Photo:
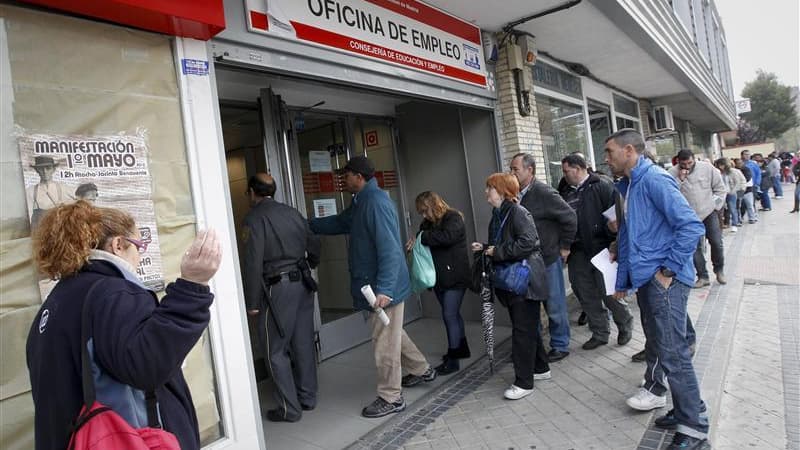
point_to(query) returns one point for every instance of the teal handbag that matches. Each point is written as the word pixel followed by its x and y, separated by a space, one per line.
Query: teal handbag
pixel 423 272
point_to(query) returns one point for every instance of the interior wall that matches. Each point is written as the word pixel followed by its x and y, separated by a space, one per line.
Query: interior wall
pixel 435 156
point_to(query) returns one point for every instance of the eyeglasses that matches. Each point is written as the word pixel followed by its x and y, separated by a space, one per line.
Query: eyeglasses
pixel 141 246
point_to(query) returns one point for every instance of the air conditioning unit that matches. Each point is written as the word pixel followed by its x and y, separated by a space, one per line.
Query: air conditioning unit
pixel 663 118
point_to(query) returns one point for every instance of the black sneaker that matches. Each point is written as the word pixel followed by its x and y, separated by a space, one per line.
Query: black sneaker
pixel 381 407
pixel 593 343
pixel 667 421
pixel 448 366
pixel 279 415
pixel 556 355
pixel 624 337
pixel 413 380
pixel 639 357
pixel 684 442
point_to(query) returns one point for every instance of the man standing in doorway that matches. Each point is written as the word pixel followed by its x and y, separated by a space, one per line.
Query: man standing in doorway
pixel 556 224
pixel 377 259
pixel 590 195
pixel 656 214
pixel 279 253
pixel 702 185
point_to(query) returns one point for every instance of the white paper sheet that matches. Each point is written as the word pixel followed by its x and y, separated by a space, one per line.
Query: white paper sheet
pixel 608 268
pixel 611 213
pixel 319 161
pixel 324 207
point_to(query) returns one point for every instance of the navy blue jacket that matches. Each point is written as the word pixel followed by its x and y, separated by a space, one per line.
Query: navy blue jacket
pixel 136 340
pixel 375 256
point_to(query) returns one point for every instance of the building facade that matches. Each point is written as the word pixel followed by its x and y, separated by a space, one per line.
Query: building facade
pixel 439 94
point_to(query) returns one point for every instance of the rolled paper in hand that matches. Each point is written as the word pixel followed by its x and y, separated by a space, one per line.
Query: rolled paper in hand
pixel 370 296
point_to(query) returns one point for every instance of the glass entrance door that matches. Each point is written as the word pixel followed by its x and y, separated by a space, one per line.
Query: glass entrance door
pixel 600 128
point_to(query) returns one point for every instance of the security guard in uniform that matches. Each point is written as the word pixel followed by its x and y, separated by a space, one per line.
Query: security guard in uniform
pixel 280 251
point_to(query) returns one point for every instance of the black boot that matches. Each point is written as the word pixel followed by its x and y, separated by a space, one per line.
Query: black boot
pixel 448 366
pixel 796 207
pixel 462 352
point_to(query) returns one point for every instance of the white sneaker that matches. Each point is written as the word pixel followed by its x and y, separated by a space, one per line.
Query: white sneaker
pixel 734 229
pixel 646 401
pixel 515 393
pixel 542 376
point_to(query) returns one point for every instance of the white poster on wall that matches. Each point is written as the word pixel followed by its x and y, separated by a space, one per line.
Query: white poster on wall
pixel 324 207
pixel 108 171
pixel 319 161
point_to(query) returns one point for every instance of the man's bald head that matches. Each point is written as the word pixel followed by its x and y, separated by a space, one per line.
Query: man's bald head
pixel 262 185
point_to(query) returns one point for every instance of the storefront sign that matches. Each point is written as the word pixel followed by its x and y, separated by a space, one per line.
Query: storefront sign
pixel 110 171
pixel 404 32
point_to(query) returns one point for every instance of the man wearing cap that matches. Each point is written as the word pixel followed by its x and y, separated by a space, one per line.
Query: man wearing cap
pixel 376 258
pixel 47 194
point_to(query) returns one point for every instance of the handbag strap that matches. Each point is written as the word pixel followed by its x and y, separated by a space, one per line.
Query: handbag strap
pixel 500 228
pixel 87 380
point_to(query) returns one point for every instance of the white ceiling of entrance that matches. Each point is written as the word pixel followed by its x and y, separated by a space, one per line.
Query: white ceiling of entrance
pixel 582 34
pixel 245 86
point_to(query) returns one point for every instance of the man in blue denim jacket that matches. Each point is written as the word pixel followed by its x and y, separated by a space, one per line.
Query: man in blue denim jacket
pixel 658 233
pixel 376 258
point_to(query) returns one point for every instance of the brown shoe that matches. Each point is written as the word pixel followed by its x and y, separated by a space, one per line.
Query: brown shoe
pixel 701 282
pixel 721 278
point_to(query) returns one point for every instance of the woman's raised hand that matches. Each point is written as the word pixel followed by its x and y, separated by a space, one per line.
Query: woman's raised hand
pixel 202 259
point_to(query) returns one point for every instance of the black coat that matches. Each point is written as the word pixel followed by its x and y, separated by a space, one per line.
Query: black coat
pixel 596 196
pixel 137 340
pixel 448 243
pixel 519 240
pixel 555 221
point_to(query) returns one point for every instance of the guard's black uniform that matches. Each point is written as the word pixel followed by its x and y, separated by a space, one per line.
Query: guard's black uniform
pixel 279 247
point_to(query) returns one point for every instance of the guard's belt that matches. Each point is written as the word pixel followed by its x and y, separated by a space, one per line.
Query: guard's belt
pixel 292 276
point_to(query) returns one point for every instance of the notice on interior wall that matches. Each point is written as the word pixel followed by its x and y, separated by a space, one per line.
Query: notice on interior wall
pixel 319 161
pixel 105 170
pixel 324 207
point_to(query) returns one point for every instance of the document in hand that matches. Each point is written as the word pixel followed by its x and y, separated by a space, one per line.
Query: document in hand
pixel 611 213
pixel 608 268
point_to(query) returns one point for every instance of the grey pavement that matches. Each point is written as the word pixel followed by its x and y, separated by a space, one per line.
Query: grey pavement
pixel 747 364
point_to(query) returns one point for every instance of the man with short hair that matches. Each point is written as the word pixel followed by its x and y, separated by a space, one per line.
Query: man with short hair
pixel 280 251
pixel 774 172
pixel 656 238
pixel 755 171
pixel 702 185
pixel 766 183
pixel 376 258
pixel 590 195
pixel 556 224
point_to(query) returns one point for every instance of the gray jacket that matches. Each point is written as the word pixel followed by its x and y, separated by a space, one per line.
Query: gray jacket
pixel 703 188
pixel 736 181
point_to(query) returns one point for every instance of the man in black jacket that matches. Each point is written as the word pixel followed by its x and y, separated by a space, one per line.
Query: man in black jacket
pixel 590 195
pixel 279 252
pixel 556 224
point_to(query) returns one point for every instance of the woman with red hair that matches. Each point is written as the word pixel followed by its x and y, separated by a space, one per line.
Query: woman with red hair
pixel 513 238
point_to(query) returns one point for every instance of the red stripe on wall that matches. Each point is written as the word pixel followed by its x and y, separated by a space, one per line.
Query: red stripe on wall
pixel 329 38
pixel 259 20
pixel 433 17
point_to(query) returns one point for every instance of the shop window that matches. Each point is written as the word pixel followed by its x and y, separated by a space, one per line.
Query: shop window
pixel 563 131
pixel 73 78
pixel 625 106
pixel 623 122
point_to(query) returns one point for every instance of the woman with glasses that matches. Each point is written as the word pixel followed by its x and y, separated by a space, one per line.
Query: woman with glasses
pixel 513 238
pixel 137 343
pixel 443 230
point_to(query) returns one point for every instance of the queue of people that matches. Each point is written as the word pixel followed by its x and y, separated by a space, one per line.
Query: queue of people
pixel 534 229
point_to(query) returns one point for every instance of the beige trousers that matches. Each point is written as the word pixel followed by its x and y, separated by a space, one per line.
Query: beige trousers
pixel 394 351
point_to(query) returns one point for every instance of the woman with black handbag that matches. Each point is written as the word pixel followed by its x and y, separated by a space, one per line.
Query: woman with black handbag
pixel 444 232
pixel 136 345
pixel 519 280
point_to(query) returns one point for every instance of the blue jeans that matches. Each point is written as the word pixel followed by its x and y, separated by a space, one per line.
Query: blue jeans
pixel 776 186
pixel 766 203
pixel 556 306
pixel 664 324
pixel 733 210
pixel 450 300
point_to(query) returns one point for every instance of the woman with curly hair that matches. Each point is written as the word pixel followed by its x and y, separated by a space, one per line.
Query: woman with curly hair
pixel 137 343
pixel 444 232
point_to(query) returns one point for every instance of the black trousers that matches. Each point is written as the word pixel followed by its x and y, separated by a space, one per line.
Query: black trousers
pixel 291 358
pixel 527 350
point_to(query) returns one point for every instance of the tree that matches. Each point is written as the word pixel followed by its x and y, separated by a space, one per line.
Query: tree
pixel 773 108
